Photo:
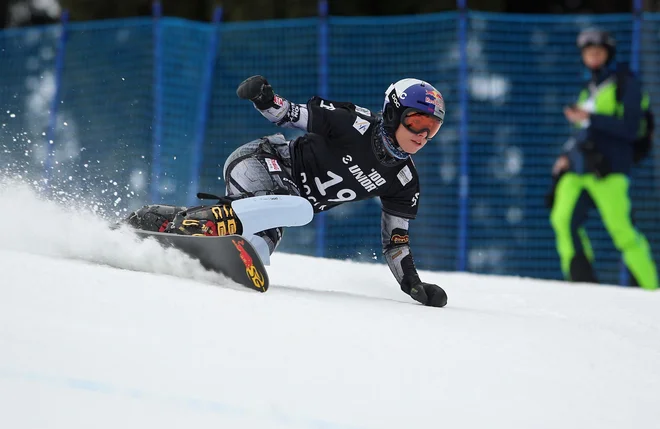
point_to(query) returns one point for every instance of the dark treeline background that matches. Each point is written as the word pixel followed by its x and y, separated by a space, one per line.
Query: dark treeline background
pixel 13 12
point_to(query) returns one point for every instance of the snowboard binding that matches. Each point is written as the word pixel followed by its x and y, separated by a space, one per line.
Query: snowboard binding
pixel 216 220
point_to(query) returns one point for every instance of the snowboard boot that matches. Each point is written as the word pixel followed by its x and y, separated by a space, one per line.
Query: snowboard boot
pixel 153 217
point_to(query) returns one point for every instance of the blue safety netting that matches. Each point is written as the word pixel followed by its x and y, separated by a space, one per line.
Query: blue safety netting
pixel 523 71
pixel 146 111
pixel 104 117
pixel 27 84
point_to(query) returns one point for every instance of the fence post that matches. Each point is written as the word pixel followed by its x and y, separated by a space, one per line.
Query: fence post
pixel 203 109
pixel 323 40
pixel 55 102
pixel 157 120
pixel 635 48
pixel 464 178
pixel 636 39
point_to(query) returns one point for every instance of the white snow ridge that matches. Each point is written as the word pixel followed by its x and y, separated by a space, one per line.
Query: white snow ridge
pixel 98 330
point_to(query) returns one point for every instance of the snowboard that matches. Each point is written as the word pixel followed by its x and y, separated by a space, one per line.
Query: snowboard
pixel 233 255
pixel 230 255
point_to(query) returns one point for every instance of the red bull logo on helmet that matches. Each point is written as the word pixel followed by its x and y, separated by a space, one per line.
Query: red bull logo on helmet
pixel 434 98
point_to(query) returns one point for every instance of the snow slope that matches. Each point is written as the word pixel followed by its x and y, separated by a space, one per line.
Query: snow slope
pixel 98 330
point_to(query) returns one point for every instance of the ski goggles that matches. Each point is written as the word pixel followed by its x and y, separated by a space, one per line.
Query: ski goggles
pixel 418 122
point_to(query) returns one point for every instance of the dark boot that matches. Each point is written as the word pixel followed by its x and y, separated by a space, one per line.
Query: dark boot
pixel 632 280
pixel 153 217
pixel 581 270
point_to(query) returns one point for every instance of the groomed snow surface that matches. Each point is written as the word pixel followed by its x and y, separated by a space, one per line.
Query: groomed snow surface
pixel 99 330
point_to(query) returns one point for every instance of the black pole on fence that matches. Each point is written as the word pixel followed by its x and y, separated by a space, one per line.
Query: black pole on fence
pixel 157 120
pixel 203 108
pixel 323 91
pixel 464 178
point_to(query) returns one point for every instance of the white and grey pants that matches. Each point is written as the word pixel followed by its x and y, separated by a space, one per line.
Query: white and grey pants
pixel 261 167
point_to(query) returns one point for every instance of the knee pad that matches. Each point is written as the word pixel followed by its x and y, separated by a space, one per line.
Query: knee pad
pixel 260 168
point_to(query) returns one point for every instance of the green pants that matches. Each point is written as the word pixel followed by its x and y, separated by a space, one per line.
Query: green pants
pixel 573 198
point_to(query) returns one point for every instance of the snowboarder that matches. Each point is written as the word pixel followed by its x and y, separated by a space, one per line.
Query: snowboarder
pixel 347 154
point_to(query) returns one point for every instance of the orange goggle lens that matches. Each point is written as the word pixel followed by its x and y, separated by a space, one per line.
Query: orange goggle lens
pixel 418 123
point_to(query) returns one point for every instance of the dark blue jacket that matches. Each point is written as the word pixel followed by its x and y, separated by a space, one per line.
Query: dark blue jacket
pixel 614 124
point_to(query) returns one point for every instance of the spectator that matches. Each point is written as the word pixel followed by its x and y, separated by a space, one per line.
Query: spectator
pixel 594 168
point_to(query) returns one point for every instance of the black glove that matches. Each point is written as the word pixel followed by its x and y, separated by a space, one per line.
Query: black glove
pixel 257 90
pixel 425 293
